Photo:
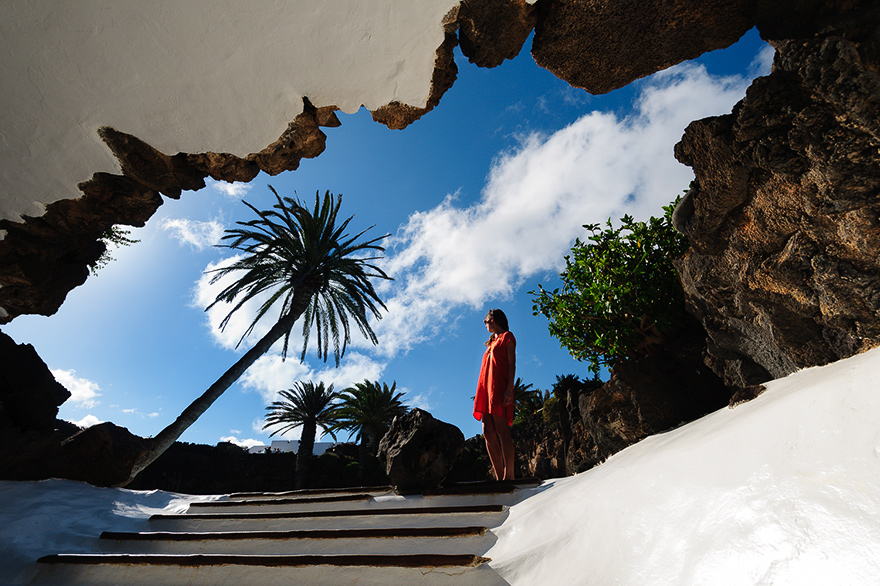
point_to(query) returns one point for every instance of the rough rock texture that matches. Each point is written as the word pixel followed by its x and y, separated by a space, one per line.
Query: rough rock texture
pixel 579 447
pixel 419 451
pixel 784 269
pixel 491 31
pixel 539 451
pixel 602 45
pixel 644 397
pixel 42 259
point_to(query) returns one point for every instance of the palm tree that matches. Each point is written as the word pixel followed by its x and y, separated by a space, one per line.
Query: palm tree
pixel 527 402
pixel 308 266
pixel 307 405
pixel 368 409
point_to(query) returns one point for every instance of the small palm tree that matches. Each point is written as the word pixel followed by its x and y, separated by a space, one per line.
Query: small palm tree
pixel 307 405
pixel 368 409
pixel 527 402
pixel 312 269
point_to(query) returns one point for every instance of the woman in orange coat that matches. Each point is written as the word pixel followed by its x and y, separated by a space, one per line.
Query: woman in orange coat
pixel 493 403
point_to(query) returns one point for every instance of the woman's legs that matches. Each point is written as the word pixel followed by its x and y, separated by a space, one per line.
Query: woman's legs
pixel 506 447
pixel 499 444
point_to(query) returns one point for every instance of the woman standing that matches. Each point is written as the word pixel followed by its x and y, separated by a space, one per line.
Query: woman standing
pixel 493 404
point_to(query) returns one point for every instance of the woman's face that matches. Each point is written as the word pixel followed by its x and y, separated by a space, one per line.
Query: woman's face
pixel 491 325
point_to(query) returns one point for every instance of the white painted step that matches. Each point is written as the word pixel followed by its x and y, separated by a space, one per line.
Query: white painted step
pixel 363 518
pixel 236 570
pixel 358 501
pixel 444 540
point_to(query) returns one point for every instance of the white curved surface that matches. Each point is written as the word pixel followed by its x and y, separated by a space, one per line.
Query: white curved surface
pixel 194 76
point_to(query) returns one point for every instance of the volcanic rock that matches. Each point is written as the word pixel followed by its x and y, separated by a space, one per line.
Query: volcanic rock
pixel 418 451
pixel 102 455
pixel 602 45
pixel 29 394
pixel 784 265
pixel 491 31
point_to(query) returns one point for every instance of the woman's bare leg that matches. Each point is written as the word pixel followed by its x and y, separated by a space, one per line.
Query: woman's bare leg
pixel 493 446
pixel 506 447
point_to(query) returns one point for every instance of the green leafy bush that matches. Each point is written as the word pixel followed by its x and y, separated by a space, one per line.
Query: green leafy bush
pixel 621 296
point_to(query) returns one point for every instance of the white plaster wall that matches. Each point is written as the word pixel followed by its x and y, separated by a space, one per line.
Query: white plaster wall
pixel 191 76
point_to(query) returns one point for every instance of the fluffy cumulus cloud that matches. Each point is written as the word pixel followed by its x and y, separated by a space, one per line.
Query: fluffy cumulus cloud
pixel 537 197
pixel 198 235
pixel 235 190
pixel 244 443
pixel 83 392
pixel 270 374
pixel 87 421
pixel 535 201
pixel 419 401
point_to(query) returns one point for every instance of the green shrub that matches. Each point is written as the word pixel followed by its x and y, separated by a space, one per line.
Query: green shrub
pixel 621 296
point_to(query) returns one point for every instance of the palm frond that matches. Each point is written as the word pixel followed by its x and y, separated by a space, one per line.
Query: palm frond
pixel 309 267
pixel 304 403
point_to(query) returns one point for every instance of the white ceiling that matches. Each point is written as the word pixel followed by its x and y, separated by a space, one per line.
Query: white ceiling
pixel 192 76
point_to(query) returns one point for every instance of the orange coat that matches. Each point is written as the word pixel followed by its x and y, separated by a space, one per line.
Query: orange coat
pixel 494 378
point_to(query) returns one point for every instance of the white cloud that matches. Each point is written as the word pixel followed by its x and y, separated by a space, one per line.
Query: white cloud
pixel 83 392
pixel 257 425
pixel 535 201
pixel 537 198
pixel 244 443
pixel 87 421
pixel 198 235
pixel 235 190
pixel 420 401
pixel 269 374
pixel 763 62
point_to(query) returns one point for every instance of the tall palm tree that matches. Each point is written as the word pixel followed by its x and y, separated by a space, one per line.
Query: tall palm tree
pixel 307 264
pixel 307 405
pixel 368 408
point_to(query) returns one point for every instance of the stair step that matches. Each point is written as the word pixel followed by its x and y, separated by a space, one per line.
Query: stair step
pixel 370 512
pixel 484 487
pixel 438 540
pixel 425 560
pixel 266 570
pixel 372 490
pixel 302 534
pixel 361 518
pixel 280 501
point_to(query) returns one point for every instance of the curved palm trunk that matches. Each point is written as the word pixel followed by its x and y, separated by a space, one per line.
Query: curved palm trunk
pixel 160 443
pixel 304 454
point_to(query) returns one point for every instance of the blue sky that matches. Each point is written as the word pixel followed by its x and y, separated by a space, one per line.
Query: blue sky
pixel 482 197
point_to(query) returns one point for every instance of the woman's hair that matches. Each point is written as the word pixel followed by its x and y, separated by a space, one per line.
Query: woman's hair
pixel 500 320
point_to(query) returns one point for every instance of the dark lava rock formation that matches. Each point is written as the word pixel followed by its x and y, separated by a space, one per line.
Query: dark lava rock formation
pixel 418 451
pixel 784 218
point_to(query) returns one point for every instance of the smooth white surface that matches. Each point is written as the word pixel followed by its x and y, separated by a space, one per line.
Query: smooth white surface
pixel 781 490
pixel 194 76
